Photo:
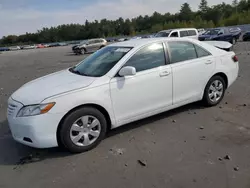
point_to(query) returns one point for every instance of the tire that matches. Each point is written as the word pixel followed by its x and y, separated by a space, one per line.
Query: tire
pixel 82 51
pixel 73 137
pixel 209 93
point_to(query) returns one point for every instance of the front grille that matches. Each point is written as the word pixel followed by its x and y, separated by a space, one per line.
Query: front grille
pixel 11 109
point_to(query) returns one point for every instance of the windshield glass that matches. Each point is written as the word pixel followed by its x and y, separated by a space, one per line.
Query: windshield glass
pixel 84 42
pixel 99 63
pixel 212 32
pixel 162 34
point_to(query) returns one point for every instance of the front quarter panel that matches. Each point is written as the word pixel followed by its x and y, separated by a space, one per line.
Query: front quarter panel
pixel 98 94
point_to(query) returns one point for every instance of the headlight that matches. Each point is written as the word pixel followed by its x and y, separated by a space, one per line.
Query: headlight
pixel 33 110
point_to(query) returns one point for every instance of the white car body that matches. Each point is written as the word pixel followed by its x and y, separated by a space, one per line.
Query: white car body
pixel 181 32
pixel 29 47
pixel 14 48
pixel 125 99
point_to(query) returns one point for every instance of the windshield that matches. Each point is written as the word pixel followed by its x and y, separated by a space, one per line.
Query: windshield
pixel 162 34
pixel 84 42
pixel 99 63
pixel 212 32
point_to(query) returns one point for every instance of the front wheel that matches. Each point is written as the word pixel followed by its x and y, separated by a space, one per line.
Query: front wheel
pixel 83 130
pixel 214 91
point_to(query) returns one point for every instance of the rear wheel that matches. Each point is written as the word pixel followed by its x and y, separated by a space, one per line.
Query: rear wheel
pixel 83 130
pixel 214 91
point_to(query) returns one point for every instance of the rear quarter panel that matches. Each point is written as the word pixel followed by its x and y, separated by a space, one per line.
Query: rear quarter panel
pixel 226 65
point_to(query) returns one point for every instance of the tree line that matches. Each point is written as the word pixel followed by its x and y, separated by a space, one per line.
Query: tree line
pixel 206 17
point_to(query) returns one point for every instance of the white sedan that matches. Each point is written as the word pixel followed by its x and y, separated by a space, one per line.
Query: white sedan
pixel 116 85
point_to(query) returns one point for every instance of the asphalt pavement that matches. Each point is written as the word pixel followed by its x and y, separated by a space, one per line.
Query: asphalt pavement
pixel 187 147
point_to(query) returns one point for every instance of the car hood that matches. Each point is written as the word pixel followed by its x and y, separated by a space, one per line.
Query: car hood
pixel 36 91
pixel 207 36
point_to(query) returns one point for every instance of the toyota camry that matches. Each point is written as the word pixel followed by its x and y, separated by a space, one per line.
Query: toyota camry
pixel 118 84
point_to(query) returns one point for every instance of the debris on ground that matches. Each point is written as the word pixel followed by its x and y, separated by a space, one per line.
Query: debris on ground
pixel 220 107
pixel 201 127
pixel 117 151
pixel 174 121
pixel 142 163
pixel 226 102
pixel 236 168
pixel 220 159
pixel 245 105
pixel 27 159
pixel 227 157
pixel 202 137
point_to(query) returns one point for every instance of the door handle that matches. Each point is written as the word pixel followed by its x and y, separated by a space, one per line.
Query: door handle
pixel 164 73
pixel 209 62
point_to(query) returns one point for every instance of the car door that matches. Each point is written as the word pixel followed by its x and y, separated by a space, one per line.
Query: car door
pixel 192 67
pixel 96 45
pixel 147 92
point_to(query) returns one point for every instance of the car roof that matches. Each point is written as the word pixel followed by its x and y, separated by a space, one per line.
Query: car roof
pixel 145 41
pixel 178 29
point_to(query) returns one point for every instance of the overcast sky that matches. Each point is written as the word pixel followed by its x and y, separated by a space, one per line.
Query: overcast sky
pixel 20 16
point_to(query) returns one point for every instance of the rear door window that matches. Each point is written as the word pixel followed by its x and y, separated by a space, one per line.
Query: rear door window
pixel 183 33
pixel 181 51
pixel 201 52
pixel 192 33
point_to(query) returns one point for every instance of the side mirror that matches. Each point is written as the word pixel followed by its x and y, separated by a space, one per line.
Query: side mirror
pixel 127 71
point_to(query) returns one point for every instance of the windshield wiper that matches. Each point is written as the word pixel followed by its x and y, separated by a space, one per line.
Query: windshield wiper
pixel 77 72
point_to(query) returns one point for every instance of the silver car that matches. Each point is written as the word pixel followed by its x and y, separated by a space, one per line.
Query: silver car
pixel 91 45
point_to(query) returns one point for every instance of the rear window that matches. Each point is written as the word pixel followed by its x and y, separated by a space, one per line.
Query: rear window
pixel 192 33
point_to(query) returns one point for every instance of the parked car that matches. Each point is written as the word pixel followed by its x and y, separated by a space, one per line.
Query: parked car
pixel 220 34
pixel 235 30
pixel 14 48
pixel 91 45
pixel 2 49
pixel 40 46
pixel 246 36
pixel 54 44
pixel 27 47
pixel 201 31
pixel 120 83
pixel 185 32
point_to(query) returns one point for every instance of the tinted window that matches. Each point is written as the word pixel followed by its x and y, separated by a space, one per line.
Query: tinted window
pixel 174 34
pixel 99 63
pixel 162 34
pixel 183 33
pixel 91 42
pixel 201 52
pixel 149 57
pixel 181 51
pixel 192 32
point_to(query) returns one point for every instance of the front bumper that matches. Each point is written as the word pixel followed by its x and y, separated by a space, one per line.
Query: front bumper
pixel 34 131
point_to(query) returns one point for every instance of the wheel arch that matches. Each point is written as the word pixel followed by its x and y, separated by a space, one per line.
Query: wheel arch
pixel 224 76
pixel 99 107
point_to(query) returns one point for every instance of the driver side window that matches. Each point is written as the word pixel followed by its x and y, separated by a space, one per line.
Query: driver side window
pixel 149 57
pixel 174 34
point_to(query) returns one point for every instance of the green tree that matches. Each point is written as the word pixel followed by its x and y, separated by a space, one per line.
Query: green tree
pixel 203 7
pixel 186 13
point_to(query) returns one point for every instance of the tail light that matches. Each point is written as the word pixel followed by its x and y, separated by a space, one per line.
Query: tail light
pixel 235 58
